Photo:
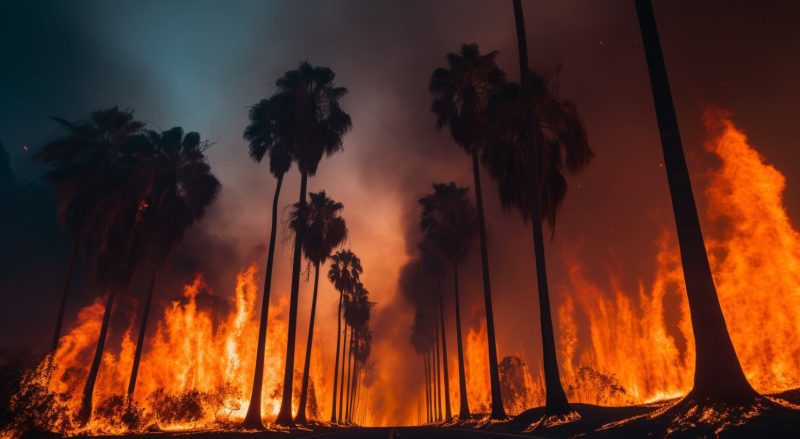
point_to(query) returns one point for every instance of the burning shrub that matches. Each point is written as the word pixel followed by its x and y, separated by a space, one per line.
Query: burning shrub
pixel 121 416
pixel 34 408
pixel 174 408
pixel 194 405
pixel 516 385
pixel 595 386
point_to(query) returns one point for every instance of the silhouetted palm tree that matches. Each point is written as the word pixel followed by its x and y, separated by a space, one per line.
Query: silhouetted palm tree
pixel 80 162
pixel 718 374
pixel 319 123
pixel 97 172
pixel 344 274
pixel 448 224
pixel 178 187
pixel 356 315
pixel 460 98
pixel 269 134
pixel 324 231
pixel 537 138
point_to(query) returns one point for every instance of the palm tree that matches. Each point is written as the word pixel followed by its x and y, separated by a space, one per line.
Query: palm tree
pixel 344 274
pixel 269 133
pixel 356 316
pixel 537 138
pixel 460 99
pixel 99 182
pixel 318 125
pixel 718 374
pixel 448 225
pixel 179 188
pixel 324 231
pixel 80 161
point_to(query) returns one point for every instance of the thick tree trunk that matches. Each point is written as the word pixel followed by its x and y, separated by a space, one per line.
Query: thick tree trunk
pixel 336 367
pixel 285 414
pixel 463 412
pixel 301 409
pixel 556 401
pixel 142 330
pixel 85 413
pixel 64 294
pixel 438 364
pixel 718 374
pixel 253 417
pixel 498 412
pixel 341 384
pixel 448 414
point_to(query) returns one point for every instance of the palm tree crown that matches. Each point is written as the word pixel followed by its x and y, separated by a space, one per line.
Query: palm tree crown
pixel 461 94
pixel 324 228
pixel 557 145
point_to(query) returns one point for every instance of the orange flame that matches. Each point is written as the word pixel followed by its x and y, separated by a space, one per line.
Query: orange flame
pixel 755 256
pixel 191 349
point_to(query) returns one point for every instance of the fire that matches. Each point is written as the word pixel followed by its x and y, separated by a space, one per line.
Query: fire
pixel 636 342
pixel 197 362
pixel 476 369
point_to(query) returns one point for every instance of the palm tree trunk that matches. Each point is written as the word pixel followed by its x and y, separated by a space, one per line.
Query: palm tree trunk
pixel 438 364
pixel 356 371
pixel 427 387
pixel 341 385
pixel 494 377
pixel 463 412
pixel 253 417
pixel 346 416
pixel 718 374
pixel 63 303
pixel 142 330
pixel 447 412
pixel 556 403
pixel 285 413
pixel 301 410
pixel 336 367
pixel 85 413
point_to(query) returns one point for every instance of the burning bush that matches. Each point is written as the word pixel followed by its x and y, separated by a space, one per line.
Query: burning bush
pixel 595 386
pixel 34 408
pixel 516 385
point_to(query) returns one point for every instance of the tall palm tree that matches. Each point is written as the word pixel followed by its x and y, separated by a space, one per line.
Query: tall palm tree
pixel 344 274
pixel 448 224
pixel 269 134
pixel 178 188
pixel 99 182
pixel 718 374
pixel 537 138
pixel 324 231
pixel 319 123
pixel 80 161
pixel 460 99
pixel 356 315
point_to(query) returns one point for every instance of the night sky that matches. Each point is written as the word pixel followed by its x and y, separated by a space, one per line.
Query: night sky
pixel 201 64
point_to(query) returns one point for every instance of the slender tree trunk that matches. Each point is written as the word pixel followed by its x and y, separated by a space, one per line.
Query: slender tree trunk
pixel 285 413
pixel 301 410
pixel 556 401
pixel 64 294
pixel 718 374
pixel 341 384
pixel 438 364
pixel 463 412
pixel 142 330
pixel 336 367
pixel 85 413
pixel 427 387
pixel 356 371
pixel 253 417
pixel 346 416
pixel 494 377
pixel 448 414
